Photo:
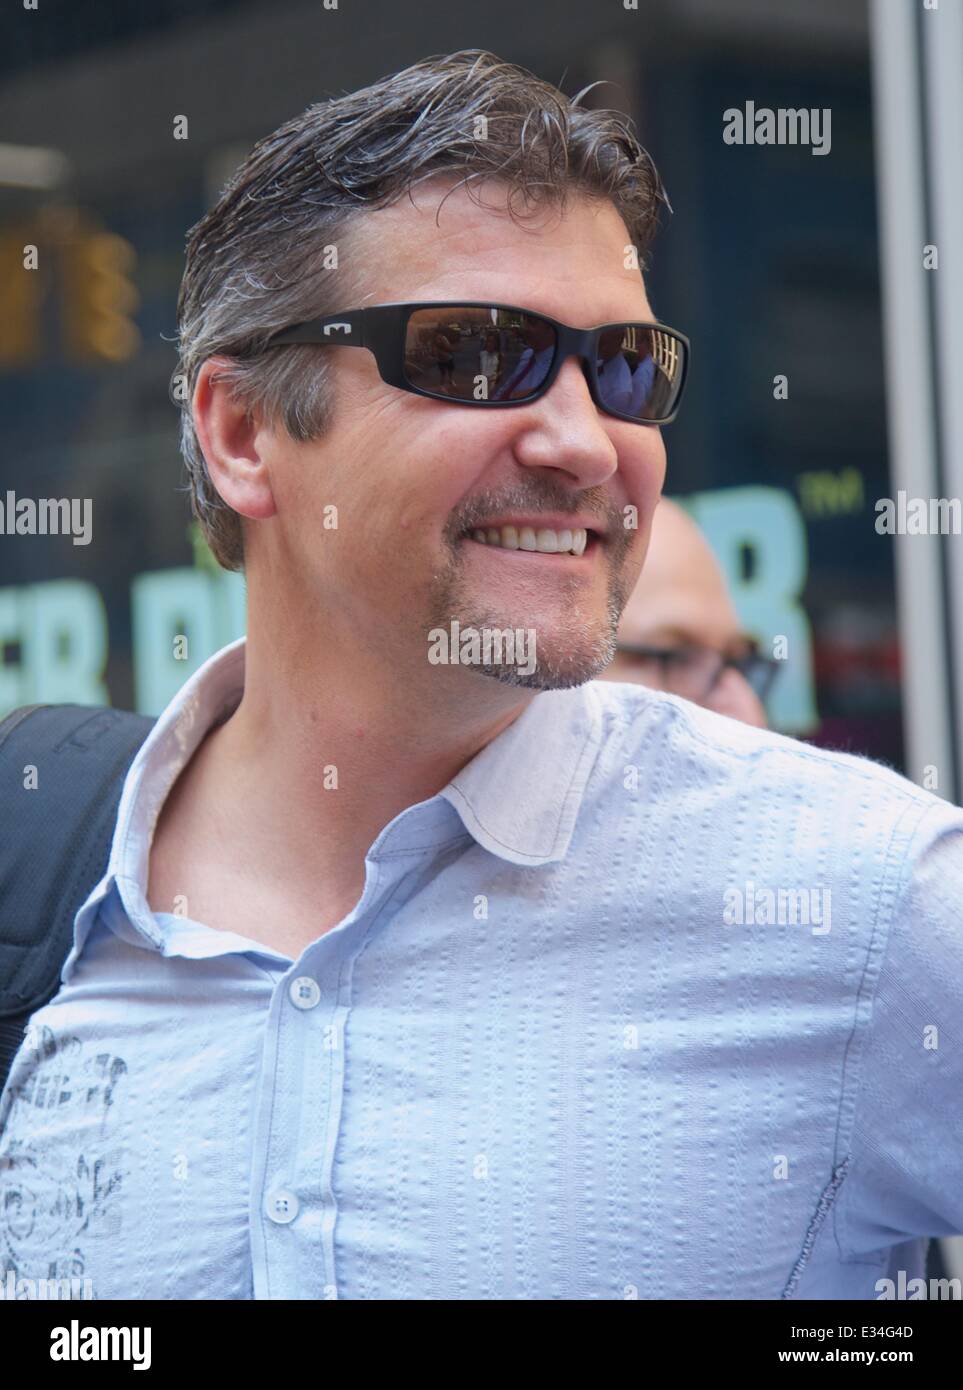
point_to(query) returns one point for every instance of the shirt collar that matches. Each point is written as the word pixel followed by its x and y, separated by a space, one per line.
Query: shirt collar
pixel 209 695
pixel 518 797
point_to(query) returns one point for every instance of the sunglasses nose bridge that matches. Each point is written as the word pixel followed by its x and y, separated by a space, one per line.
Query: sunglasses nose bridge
pixel 578 343
pixel 575 342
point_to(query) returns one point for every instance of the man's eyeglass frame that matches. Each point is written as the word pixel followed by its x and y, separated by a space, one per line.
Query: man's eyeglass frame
pixel 743 662
pixel 383 329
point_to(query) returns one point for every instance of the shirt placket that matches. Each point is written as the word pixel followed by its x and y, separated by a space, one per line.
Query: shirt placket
pixel 300 1094
pixel 296 1127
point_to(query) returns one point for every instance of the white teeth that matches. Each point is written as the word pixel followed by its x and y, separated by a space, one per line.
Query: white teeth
pixel 545 540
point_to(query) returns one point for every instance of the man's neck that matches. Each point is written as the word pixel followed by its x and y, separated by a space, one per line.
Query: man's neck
pixel 315 761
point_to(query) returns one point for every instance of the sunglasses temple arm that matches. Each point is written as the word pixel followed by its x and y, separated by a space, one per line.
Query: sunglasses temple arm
pixel 334 329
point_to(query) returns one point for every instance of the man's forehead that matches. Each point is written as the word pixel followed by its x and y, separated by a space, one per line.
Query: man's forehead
pixel 441 244
pixel 681 587
pixel 683 615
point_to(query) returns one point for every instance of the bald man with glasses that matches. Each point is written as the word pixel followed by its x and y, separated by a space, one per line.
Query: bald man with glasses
pixel 680 632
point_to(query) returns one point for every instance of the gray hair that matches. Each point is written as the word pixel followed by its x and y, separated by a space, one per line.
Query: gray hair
pixel 256 262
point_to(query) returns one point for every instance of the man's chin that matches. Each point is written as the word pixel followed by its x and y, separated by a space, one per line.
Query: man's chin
pixel 553 651
pixel 563 677
pixel 547 664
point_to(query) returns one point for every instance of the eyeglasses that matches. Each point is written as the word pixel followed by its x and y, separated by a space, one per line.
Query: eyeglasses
pixel 491 355
pixel 694 671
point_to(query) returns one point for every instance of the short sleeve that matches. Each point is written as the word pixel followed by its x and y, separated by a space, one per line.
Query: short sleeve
pixel 905 1177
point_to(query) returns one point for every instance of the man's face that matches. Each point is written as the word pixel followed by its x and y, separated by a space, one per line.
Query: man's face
pixel 412 478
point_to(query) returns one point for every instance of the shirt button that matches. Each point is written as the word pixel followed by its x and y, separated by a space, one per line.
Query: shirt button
pixel 282 1206
pixel 304 992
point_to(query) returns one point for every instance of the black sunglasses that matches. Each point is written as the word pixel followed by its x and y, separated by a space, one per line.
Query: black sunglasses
pixel 694 671
pixel 475 353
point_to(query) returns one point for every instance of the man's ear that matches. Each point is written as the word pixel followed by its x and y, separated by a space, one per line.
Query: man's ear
pixel 231 437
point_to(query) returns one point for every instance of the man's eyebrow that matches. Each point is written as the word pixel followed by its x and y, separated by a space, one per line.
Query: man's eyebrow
pixel 679 635
pixel 740 643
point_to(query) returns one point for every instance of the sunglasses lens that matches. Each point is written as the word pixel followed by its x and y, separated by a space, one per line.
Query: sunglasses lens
pixel 640 371
pixel 478 354
pixel 467 353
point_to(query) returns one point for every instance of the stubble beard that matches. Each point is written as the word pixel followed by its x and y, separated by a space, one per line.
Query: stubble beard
pixel 569 653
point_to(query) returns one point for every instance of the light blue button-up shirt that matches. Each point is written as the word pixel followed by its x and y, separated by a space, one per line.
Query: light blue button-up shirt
pixel 645 1003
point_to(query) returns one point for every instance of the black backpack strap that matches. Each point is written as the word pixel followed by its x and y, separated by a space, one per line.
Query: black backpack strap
pixel 55 842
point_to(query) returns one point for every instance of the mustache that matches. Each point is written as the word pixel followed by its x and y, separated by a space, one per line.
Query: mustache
pixel 542 495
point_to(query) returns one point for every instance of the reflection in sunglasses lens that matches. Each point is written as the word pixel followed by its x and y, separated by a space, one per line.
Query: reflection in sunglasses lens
pixel 639 371
pixel 478 354
pixel 468 353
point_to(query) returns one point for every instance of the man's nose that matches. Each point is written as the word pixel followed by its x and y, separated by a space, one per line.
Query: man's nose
pixel 565 430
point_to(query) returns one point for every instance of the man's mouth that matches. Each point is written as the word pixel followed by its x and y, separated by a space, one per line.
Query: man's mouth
pixel 544 540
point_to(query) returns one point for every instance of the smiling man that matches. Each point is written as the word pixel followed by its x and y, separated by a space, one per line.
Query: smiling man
pixel 422 979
